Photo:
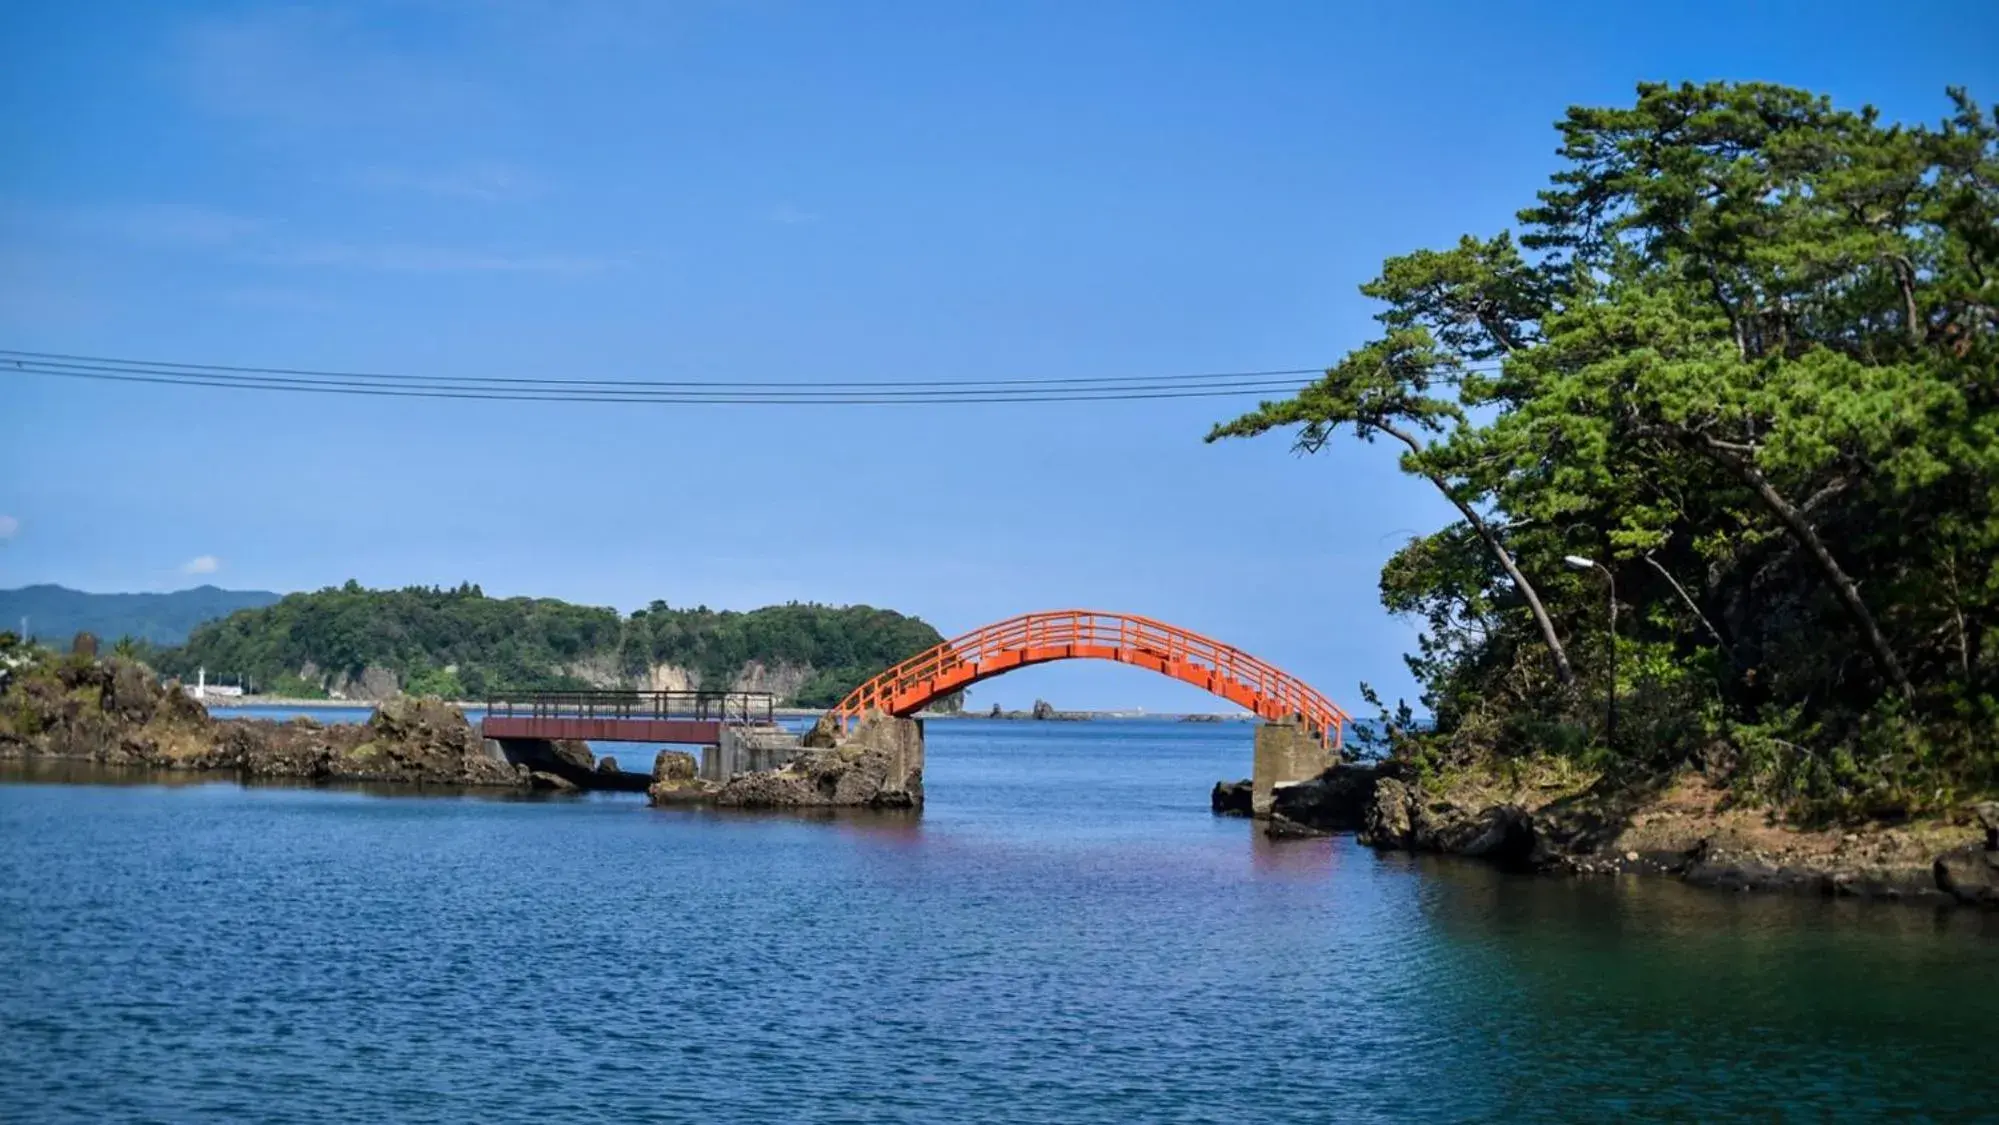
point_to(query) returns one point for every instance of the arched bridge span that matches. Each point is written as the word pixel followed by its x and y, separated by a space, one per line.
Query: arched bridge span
pixel 1084 634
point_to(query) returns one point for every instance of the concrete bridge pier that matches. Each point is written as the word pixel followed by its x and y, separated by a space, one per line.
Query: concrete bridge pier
pixel 747 749
pixel 1286 753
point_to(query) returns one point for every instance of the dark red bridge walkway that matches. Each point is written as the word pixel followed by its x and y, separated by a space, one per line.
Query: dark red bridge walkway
pixel 687 717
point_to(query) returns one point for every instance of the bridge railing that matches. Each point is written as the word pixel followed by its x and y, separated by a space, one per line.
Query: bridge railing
pixel 734 707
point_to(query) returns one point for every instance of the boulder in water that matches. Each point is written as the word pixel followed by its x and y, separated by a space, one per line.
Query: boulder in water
pixel 1230 798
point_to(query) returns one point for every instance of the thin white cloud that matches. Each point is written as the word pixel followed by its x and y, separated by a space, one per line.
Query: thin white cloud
pixel 9 528
pixel 201 564
pixel 790 215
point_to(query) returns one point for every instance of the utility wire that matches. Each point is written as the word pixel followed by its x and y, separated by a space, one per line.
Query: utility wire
pixel 591 391
pixel 676 392
pixel 162 367
pixel 686 398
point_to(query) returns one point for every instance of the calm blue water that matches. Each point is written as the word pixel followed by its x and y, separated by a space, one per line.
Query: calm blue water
pixel 1066 934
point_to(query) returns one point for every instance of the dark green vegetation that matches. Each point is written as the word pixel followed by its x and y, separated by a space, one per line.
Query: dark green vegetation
pixel 1745 355
pixel 460 644
pixel 57 613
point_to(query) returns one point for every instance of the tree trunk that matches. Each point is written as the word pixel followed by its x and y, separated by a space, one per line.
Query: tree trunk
pixel 1808 537
pixel 1506 563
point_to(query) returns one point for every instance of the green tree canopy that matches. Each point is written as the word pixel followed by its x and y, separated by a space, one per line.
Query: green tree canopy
pixel 1744 353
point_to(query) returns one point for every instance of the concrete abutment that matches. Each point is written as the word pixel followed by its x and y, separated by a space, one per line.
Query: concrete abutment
pixel 1286 753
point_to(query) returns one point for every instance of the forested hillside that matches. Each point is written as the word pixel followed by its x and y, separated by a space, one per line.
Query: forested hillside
pixel 1722 424
pixel 460 643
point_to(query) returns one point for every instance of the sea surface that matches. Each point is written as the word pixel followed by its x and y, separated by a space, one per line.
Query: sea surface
pixel 1064 935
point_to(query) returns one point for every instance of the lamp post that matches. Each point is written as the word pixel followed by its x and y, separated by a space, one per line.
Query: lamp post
pixel 1578 562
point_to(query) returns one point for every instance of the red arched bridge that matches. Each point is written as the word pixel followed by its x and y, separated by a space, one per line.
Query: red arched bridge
pixel 1087 634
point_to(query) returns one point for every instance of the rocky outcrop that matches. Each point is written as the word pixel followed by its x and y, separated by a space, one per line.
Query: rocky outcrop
pixel 1230 798
pixel 1280 827
pixel 1334 801
pixel 1385 820
pixel 112 712
pixel 674 781
pixel 573 754
pixel 879 765
pixel 116 712
pixel 674 765
pixel 1397 815
pixel 1043 709
pixel 1970 874
pixel 425 741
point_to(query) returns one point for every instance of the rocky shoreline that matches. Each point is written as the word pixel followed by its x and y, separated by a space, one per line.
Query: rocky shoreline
pixel 115 712
pixel 1683 827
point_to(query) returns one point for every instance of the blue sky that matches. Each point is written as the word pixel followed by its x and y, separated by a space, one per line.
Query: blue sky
pixel 764 190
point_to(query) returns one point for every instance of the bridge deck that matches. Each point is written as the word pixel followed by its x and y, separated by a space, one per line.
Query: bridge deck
pixel 690 717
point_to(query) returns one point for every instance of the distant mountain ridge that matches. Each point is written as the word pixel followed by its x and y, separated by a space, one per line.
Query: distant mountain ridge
pixel 57 613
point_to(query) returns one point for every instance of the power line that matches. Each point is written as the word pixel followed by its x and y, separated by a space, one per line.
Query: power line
pixel 802 398
pixel 165 367
pixel 61 365
pixel 615 393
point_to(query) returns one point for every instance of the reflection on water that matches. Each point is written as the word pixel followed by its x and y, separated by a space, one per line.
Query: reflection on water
pixel 1064 934
pixel 57 771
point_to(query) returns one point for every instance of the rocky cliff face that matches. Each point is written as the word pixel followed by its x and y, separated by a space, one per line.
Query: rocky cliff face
pixel 780 680
pixel 374 682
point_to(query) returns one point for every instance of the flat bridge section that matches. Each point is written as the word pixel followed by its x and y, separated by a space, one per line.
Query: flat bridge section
pixel 694 718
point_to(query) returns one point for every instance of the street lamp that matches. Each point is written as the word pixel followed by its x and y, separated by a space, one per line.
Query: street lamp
pixel 1578 562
